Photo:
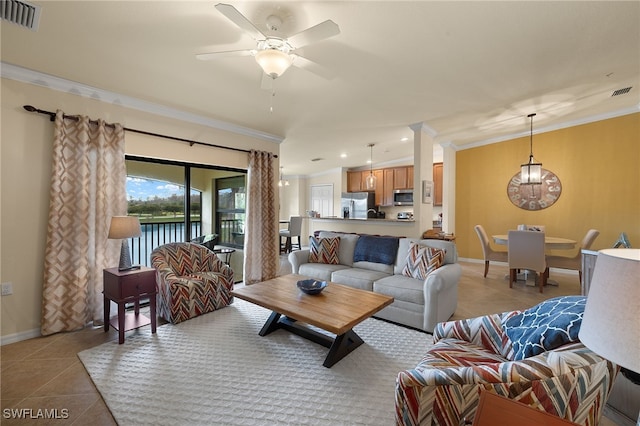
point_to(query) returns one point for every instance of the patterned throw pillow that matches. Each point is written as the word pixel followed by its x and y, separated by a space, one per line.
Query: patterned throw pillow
pixel 422 260
pixel 324 250
pixel 546 326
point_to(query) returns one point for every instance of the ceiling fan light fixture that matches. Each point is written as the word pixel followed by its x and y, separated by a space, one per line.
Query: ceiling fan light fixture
pixel 273 62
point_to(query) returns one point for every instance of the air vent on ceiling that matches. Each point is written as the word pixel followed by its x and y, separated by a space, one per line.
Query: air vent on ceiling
pixel 621 91
pixel 21 13
pixel 317 159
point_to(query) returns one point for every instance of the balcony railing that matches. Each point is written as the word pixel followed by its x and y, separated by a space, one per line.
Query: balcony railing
pixel 156 234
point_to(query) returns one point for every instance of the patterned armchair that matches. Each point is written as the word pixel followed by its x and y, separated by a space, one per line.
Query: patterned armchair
pixel 468 356
pixel 191 280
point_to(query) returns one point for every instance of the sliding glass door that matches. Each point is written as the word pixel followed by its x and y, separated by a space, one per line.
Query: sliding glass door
pixel 157 194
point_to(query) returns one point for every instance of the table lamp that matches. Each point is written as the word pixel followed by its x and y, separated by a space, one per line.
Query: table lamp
pixel 124 227
pixel 611 320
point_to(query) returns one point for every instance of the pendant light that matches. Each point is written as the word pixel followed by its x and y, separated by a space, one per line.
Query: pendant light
pixel 370 181
pixel 282 181
pixel 531 173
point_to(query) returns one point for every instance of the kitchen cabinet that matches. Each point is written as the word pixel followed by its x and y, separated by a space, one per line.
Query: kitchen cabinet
pixel 387 196
pixel 379 174
pixel 387 180
pixel 403 177
pixel 399 178
pixel 437 184
pixel 354 181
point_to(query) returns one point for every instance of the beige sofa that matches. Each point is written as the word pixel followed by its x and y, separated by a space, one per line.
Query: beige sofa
pixel 417 303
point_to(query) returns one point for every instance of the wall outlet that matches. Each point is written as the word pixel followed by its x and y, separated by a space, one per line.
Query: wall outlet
pixel 7 288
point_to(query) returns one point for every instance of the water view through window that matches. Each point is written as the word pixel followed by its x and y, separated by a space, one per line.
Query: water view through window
pixel 213 213
pixel 160 206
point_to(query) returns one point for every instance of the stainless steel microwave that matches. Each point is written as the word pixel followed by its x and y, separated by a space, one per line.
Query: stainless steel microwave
pixel 403 197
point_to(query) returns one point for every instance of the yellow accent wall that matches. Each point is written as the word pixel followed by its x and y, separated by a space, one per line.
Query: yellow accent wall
pixel 599 167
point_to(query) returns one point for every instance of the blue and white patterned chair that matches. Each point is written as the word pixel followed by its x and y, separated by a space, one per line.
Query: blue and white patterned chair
pixel 522 355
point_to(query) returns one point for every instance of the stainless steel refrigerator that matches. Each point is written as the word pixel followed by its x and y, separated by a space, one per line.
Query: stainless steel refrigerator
pixel 358 205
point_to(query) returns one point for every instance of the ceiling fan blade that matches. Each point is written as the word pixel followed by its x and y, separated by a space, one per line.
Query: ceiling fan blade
pixel 227 54
pixel 304 63
pixel 313 34
pixel 239 19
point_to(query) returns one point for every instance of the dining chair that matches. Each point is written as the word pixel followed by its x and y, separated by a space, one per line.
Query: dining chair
pixel 574 263
pixel 293 230
pixel 526 251
pixel 487 251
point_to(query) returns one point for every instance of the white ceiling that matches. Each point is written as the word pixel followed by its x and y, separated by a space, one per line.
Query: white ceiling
pixel 470 71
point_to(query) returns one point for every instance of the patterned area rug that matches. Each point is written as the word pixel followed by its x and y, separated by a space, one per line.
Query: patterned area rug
pixel 215 369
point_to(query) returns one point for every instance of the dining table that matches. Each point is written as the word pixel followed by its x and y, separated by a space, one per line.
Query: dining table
pixel 550 243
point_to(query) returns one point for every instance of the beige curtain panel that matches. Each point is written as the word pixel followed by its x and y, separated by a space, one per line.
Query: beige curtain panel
pixel 261 251
pixel 87 189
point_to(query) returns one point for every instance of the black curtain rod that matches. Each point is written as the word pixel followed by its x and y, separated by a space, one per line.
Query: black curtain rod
pixel 52 117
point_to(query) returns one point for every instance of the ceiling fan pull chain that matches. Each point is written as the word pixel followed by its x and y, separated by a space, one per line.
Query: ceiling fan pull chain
pixel 273 94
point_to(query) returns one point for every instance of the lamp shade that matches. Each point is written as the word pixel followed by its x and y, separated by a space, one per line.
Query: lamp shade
pixel 611 321
pixel 273 62
pixel 124 227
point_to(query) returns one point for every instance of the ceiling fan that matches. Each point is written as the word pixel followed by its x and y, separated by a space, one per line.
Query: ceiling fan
pixel 275 54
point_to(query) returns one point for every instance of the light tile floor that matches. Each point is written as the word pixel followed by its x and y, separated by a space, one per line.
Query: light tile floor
pixel 46 373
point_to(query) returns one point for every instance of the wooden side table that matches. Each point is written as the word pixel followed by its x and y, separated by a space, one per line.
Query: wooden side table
pixel 129 286
pixel 495 409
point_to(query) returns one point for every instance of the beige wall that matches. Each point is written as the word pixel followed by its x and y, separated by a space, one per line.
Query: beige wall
pixel 597 164
pixel 26 167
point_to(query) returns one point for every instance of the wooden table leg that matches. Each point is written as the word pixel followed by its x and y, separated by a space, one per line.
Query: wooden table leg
pixel 107 313
pixel 121 315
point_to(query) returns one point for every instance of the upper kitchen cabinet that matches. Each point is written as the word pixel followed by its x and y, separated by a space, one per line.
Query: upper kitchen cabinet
pixel 387 180
pixel 403 177
pixel 355 181
pixel 387 187
pixel 380 186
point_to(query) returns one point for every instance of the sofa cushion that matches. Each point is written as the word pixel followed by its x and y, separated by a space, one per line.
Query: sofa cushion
pixel 546 326
pixel 373 266
pixel 324 250
pixel 422 260
pixel 319 271
pixel 347 245
pixel 401 288
pixel 370 248
pixel 358 278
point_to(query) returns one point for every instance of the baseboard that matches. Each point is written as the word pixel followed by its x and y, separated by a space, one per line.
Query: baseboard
pixel 18 337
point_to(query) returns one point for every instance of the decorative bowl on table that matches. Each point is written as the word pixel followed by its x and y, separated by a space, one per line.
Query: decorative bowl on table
pixel 311 286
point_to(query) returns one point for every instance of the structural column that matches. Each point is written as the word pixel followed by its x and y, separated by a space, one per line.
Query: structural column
pixel 423 140
pixel 448 187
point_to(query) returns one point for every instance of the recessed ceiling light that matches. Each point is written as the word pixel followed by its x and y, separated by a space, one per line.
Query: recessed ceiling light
pixel 404 139
pixel 343 155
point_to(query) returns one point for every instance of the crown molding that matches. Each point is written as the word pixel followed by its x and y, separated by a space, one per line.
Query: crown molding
pixel 36 78
pixel 572 123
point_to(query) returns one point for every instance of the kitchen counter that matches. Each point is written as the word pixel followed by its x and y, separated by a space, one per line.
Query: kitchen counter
pixel 373 220
pixel 378 226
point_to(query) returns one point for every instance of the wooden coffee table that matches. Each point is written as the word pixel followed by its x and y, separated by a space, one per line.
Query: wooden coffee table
pixel 337 310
